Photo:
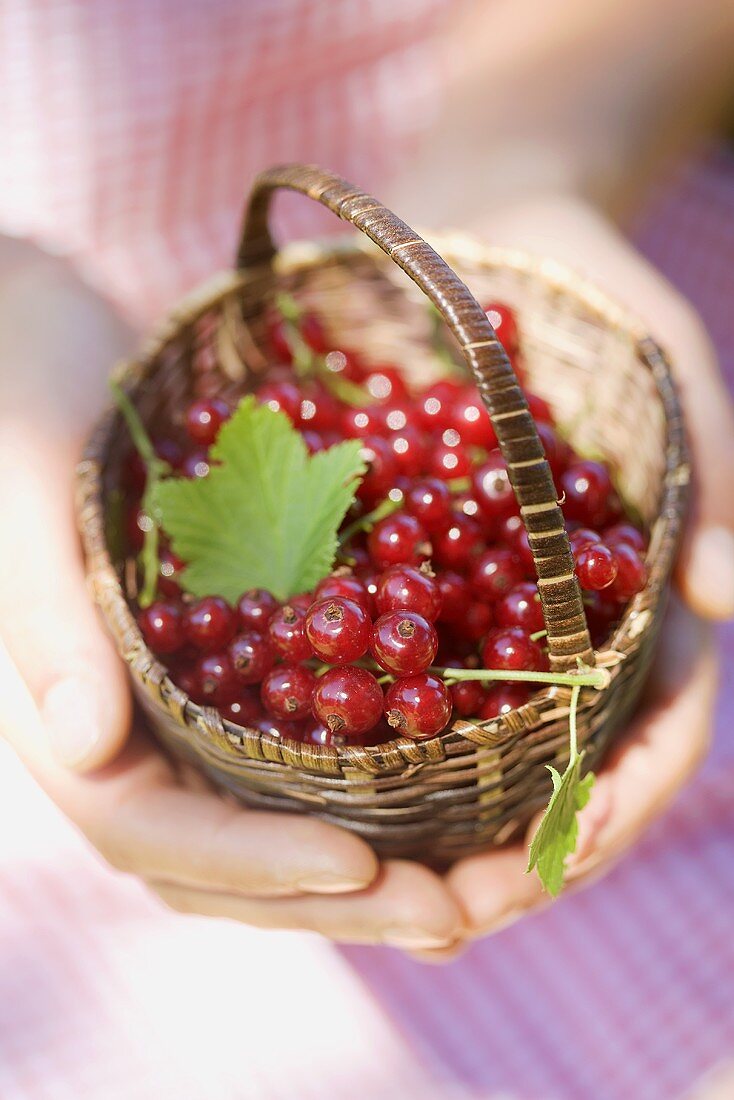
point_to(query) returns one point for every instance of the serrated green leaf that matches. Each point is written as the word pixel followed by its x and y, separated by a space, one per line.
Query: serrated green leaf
pixel 558 831
pixel 268 513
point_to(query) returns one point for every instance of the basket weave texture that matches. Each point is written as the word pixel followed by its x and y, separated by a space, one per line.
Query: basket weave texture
pixel 610 387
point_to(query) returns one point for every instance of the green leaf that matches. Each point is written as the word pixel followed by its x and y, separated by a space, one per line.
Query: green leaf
pixel 267 515
pixel 558 831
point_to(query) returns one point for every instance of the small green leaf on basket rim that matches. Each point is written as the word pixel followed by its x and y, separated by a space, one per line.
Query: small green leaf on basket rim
pixel 267 514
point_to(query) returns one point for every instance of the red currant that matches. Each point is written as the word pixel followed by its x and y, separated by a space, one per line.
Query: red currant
pixel 245 709
pixel 196 464
pixel 492 489
pixel 348 700
pixel 429 500
pixel 396 540
pixel 382 469
pixel 404 643
pixel 631 572
pixel 448 462
pixel 457 546
pixel 217 680
pixel 436 403
pixel 281 397
pixel 345 585
pixel 169 567
pixel 403 587
pixel 467 697
pixel 502 320
pixel 252 656
pixel 477 621
pixel 596 567
pixel 495 572
pixel 338 630
pixel 204 419
pixel 210 623
pixel 456 596
pixel 471 420
pixel 256 608
pixel 587 488
pixel 409 449
pixel 540 410
pixel 625 532
pixel 313 333
pixel 502 698
pixel 513 649
pixel 521 607
pixel 385 384
pixel 281 728
pixel 286 691
pixel 162 627
pixel 287 630
pixel 418 706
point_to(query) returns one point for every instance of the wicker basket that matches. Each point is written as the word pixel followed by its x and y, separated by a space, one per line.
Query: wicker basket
pixel 610 387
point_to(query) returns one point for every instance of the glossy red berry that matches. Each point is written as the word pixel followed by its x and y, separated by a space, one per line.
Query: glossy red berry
pixel 502 698
pixel 256 608
pixel 382 469
pixel 287 690
pixel 210 623
pixel 502 320
pixel 287 630
pixel 448 461
pixel 631 572
pixel 362 423
pixel 467 697
pixel 492 490
pixel 404 643
pixel 252 656
pixel 511 648
pixel 456 596
pixel 520 607
pixel 587 488
pixel 477 621
pixel 245 709
pixel 348 700
pixel 279 341
pixel 418 706
pixel 281 728
pixel 410 451
pixel 435 404
pixel 204 418
pixel 470 418
pixel 458 544
pixel 338 630
pixel 162 627
pixel 495 572
pixel 385 384
pixel 169 568
pixel 596 567
pixel 196 463
pixel 581 538
pixel 403 587
pixel 344 585
pixel 540 410
pixel 624 532
pixel 429 500
pixel 217 681
pixel 281 397
pixel 396 540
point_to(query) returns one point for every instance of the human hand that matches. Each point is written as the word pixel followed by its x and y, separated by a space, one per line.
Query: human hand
pixel 66 705
pixel 670 735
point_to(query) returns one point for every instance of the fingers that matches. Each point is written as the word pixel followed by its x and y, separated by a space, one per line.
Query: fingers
pixel 142 822
pixel 48 621
pixel 407 907
pixel 665 744
pixel 571 231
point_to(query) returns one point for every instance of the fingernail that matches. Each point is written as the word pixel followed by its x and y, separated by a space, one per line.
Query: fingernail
pixel 72 719
pixel 711 567
pixel 325 882
pixel 415 939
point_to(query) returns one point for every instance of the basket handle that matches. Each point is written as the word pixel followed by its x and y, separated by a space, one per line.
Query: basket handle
pixel 563 610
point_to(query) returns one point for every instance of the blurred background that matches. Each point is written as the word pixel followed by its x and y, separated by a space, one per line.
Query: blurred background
pixel 129 134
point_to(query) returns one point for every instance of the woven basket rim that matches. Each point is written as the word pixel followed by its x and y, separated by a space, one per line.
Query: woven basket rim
pixel 401 753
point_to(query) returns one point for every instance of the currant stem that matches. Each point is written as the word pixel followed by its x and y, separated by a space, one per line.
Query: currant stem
pixel 304 359
pixel 593 677
pixel 573 752
pixel 438 345
pixel 366 522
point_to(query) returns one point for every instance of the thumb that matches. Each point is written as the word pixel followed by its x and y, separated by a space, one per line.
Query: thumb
pixel 48 622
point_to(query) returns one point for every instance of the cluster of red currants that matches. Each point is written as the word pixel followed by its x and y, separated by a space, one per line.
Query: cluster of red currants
pixel 446 579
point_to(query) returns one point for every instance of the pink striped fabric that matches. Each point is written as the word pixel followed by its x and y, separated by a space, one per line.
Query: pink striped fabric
pixel 129 133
